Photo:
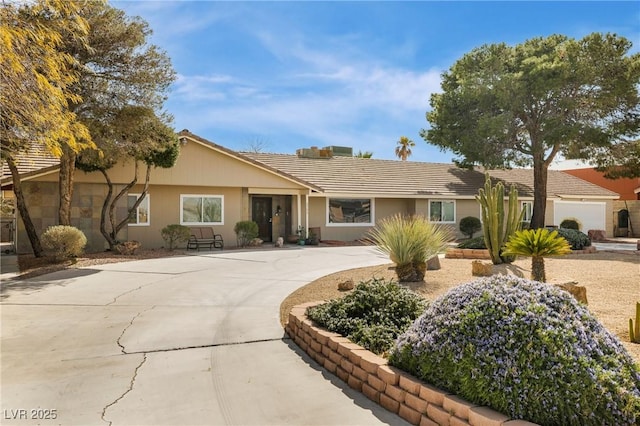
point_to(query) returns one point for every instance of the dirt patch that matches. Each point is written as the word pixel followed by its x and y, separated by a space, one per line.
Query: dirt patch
pixel 31 266
pixel 612 280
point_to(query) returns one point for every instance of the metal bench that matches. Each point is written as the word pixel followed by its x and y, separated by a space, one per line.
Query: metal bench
pixel 203 237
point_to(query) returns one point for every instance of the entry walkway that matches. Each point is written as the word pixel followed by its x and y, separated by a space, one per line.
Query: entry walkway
pixel 190 340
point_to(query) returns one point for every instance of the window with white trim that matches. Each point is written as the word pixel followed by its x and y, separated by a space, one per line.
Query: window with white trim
pixel 527 206
pixel 201 209
pixel 350 211
pixel 442 211
pixel 141 215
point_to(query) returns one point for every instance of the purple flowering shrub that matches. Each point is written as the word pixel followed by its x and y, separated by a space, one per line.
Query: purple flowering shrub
pixel 526 349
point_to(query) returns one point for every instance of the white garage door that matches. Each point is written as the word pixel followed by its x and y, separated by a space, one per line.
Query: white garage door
pixel 592 215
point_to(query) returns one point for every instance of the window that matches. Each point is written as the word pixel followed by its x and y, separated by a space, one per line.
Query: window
pixel 442 211
pixel 527 206
pixel 201 209
pixel 350 211
pixel 141 216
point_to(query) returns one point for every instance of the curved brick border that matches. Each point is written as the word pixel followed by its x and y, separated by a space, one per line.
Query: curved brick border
pixel 397 391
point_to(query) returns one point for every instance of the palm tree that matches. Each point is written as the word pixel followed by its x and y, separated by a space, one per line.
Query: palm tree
pixel 536 243
pixel 365 154
pixel 403 150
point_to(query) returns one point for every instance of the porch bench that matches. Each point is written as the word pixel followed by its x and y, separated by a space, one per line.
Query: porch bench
pixel 202 237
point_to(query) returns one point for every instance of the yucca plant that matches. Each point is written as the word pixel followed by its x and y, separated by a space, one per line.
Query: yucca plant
pixel 410 241
pixel 537 243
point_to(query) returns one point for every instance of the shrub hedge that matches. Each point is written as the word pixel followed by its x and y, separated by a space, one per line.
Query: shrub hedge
pixel 576 239
pixel 63 241
pixel 372 315
pixel 474 243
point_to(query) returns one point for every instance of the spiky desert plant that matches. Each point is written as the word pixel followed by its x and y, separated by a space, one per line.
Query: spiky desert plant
pixel 410 241
pixel 634 331
pixel 497 230
pixel 537 243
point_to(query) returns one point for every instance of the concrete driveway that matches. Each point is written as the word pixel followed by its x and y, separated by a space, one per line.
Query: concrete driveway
pixel 189 340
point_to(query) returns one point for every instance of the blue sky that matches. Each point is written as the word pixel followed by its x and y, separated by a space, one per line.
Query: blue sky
pixel 288 75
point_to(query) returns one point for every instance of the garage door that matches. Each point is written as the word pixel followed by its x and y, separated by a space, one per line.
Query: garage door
pixel 592 215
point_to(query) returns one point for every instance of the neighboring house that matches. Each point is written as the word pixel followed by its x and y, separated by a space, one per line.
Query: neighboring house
pixel 626 211
pixel 338 196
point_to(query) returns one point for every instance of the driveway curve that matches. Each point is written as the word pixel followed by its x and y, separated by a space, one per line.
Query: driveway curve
pixel 185 340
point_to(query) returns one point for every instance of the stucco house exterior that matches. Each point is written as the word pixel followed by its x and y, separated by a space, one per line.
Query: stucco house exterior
pixel 328 191
pixel 626 210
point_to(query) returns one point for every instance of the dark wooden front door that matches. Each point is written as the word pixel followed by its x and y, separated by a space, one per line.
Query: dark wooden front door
pixel 261 214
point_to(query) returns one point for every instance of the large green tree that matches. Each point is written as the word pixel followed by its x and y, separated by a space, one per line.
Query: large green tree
pixel 622 161
pixel 119 68
pixel 132 134
pixel 36 80
pixel 503 106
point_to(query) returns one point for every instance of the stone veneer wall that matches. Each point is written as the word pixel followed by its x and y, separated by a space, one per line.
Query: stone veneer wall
pixel 86 206
pixel 415 401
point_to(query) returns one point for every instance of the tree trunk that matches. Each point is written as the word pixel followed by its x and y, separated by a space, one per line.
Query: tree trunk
pixel 537 269
pixel 540 172
pixel 109 207
pixel 65 185
pixel 135 205
pixel 22 209
pixel 103 214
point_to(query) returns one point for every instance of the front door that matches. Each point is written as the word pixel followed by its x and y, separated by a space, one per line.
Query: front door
pixel 261 214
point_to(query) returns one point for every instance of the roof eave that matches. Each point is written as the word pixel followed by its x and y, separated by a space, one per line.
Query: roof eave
pixel 590 196
pixel 233 154
pixel 31 175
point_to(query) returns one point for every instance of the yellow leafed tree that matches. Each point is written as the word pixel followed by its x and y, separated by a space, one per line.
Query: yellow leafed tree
pixel 35 81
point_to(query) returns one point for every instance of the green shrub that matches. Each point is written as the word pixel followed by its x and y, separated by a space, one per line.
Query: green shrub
pixel 246 231
pixel 474 243
pixel 576 239
pixel 410 241
pixel 570 223
pixel 470 225
pixel 63 242
pixel 526 349
pixel 373 315
pixel 173 234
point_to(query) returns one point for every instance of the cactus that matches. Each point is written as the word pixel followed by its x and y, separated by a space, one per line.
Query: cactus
pixel 496 230
pixel 634 332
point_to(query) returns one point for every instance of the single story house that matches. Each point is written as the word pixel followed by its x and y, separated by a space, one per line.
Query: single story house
pixel 626 210
pixel 326 191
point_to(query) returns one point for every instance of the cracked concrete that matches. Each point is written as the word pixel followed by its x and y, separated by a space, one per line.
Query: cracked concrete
pixel 124 330
pixel 184 340
pixel 129 389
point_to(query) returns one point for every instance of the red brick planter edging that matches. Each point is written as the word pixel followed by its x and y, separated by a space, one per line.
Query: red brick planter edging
pixel 412 399
pixel 458 253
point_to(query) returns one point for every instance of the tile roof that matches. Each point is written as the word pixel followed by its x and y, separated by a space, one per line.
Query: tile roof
pixel 355 175
pixel 35 158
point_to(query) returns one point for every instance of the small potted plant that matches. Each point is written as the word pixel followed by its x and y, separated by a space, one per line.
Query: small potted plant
pixel 313 239
pixel 302 235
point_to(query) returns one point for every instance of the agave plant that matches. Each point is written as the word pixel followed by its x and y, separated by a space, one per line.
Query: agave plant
pixel 410 241
pixel 537 243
